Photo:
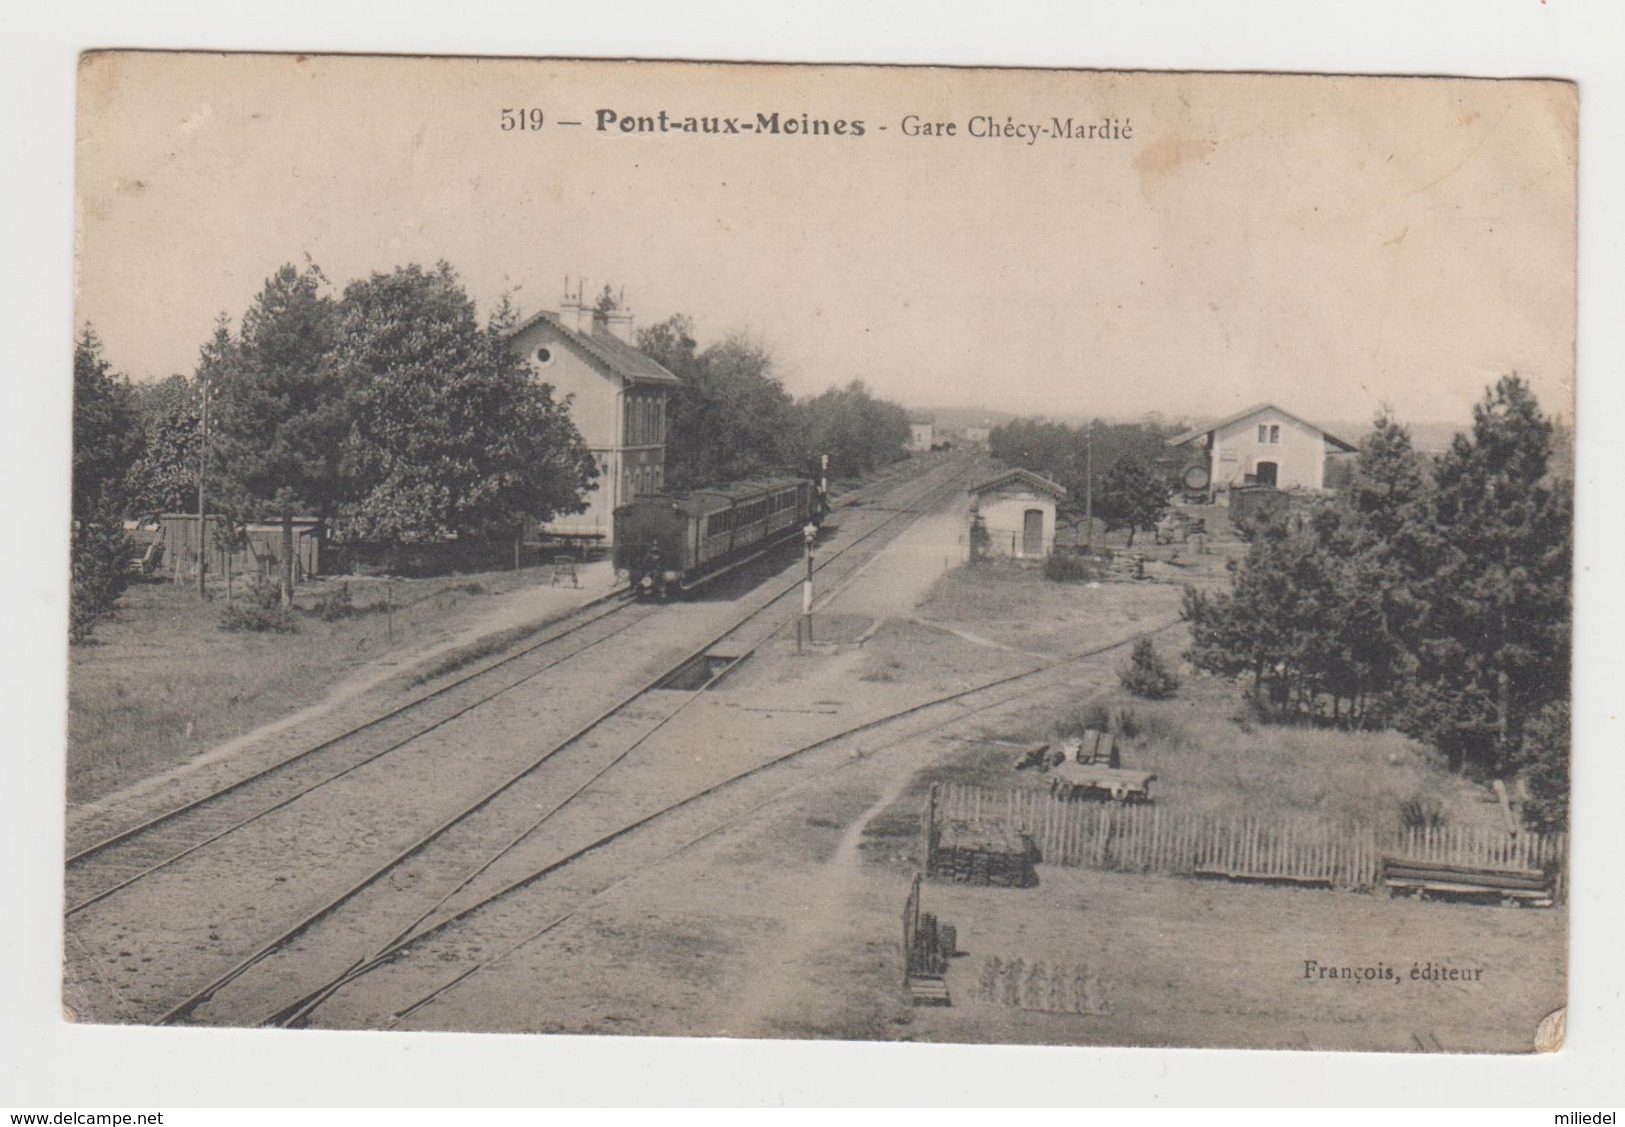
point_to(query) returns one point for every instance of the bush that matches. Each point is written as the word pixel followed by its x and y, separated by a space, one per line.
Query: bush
pixel 266 595
pixel 1543 765
pixel 1146 675
pixel 99 553
pixel 1091 716
pixel 1069 567
pixel 335 604
pixel 252 618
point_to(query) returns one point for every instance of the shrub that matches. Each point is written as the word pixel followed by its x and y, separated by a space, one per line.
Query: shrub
pixel 1069 567
pixel 1090 716
pixel 1543 765
pixel 262 594
pixel 252 618
pixel 334 604
pixel 99 552
pixel 979 538
pixel 1421 812
pixel 1146 675
pixel 1126 723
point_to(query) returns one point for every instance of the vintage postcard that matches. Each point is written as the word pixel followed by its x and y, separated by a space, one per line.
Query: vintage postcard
pixel 839 552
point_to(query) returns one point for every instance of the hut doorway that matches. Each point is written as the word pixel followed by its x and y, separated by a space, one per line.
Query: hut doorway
pixel 1266 473
pixel 1032 533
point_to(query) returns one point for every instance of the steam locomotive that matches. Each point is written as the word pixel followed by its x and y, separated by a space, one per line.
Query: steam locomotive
pixel 675 543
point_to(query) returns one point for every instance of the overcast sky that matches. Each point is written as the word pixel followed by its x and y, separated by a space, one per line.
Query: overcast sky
pixel 1326 244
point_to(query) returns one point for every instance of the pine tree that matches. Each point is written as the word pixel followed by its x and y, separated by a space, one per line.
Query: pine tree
pixel 1491 564
pixel 106 430
pixel 106 443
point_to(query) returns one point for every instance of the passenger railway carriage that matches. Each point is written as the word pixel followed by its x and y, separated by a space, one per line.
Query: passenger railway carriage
pixel 672 543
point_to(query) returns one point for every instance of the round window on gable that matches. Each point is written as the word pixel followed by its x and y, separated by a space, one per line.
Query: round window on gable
pixel 544 357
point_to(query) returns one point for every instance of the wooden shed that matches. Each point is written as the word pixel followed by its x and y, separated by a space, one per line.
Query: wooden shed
pixel 261 554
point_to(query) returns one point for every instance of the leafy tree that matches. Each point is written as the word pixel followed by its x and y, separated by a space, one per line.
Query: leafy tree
pixel 164 478
pixel 1067 455
pixel 1131 496
pixel 99 555
pixel 279 414
pixel 858 431
pixel 1279 622
pixel 447 434
pixel 730 418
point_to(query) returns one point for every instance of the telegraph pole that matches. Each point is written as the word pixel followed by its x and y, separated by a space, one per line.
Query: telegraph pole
pixel 202 518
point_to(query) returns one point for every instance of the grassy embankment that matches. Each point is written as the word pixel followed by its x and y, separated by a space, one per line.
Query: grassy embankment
pixel 161 682
pixel 1208 757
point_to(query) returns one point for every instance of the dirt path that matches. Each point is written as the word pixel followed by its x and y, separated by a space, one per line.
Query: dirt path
pixel 819 921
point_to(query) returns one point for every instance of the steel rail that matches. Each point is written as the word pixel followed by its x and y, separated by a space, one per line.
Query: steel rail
pixel 336 775
pixel 621 602
pixel 310 1001
pixel 203 994
pixel 302 1008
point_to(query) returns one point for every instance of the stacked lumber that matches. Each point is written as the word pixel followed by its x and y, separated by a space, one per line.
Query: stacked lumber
pixel 1423 876
pixel 989 853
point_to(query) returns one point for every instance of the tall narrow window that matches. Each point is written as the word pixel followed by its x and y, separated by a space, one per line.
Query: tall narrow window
pixel 1263 433
pixel 1275 434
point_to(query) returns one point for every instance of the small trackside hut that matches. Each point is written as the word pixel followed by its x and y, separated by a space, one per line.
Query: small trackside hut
pixel 671 544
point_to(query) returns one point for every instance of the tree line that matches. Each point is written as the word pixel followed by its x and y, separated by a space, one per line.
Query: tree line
pixel 1431 595
pixel 1110 468
pixel 389 411
pixel 731 417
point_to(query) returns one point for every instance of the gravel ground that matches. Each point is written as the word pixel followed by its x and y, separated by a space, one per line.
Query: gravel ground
pixel 144 950
pixel 771 907
pixel 785 922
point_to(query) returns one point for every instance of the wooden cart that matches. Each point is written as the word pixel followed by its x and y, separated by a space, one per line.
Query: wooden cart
pixel 1121 784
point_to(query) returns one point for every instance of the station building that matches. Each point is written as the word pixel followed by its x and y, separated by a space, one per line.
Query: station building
pixel 617 398
pixel 1263 445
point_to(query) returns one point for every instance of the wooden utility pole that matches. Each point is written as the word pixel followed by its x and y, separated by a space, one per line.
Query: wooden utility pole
pixel 202 511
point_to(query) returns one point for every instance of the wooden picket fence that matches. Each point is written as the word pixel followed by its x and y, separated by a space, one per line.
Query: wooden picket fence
pixel 1148 838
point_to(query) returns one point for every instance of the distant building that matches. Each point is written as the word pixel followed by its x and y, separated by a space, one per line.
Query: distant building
pixel 919 436
pixel 1262 445
pixel 618 403
pixel 978 436
pixel 1017 508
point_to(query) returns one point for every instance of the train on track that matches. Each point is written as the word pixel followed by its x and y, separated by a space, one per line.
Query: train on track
pixel 669 544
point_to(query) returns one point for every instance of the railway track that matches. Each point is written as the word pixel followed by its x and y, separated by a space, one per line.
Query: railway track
pixel 734 798
pixel 115 862
pixel 122 860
